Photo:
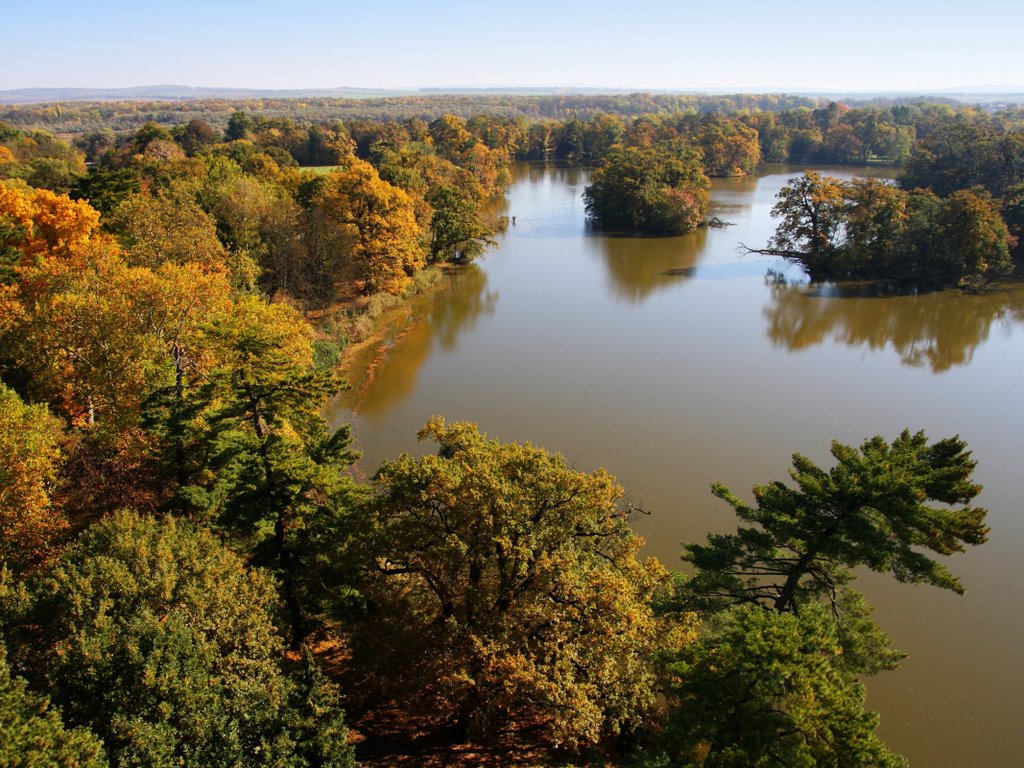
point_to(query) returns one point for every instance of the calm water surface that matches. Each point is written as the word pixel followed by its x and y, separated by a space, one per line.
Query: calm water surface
pixel 673 363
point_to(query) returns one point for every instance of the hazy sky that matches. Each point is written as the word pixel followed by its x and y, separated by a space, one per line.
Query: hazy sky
pixel 859 44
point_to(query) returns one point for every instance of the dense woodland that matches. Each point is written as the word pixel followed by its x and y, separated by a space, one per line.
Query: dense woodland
pixel 81 117
pixel 189 574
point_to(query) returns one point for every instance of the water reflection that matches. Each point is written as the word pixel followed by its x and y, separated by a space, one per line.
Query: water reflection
pixel 639 266
pixel 940 330
pixel 552 173
pixel 391 377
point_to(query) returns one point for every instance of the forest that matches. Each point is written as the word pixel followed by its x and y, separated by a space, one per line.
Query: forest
pixel 190 574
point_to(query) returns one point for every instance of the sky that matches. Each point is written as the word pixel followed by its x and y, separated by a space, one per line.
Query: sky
pixel 867 45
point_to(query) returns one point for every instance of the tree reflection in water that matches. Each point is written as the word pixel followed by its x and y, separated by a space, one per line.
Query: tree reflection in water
pixel 640 266
pixel 391 376
pixel 940 330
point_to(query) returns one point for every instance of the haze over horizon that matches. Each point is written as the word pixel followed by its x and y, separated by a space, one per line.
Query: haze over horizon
pixel 792 45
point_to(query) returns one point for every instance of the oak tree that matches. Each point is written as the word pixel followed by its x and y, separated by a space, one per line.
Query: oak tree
pixel 504 586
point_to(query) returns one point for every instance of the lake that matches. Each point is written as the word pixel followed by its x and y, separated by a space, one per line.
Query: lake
pixel 674 362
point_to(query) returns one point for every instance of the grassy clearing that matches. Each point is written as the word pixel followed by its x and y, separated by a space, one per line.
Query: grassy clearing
pixel 320 170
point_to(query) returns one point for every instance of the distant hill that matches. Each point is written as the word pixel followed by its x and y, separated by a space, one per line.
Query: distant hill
pixel 183 93
pixel 972 94
pixel 188 92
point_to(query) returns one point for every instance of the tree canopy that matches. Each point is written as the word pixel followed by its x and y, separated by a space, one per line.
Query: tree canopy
pixel 884 506
pixel 867 229
pixel 760 688
pixel 774 678
pixel 30 523
pixel 158 638
pixel 32 733
pixel 659 190
pixel 505 586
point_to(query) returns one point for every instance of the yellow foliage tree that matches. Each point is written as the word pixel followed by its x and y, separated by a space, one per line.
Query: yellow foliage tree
pixel 48 223
pixel 374 223
pixel 30 445
pixel 506 587
pixel 89 333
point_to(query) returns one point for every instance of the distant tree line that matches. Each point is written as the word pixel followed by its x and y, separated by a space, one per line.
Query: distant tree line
pixel 81 117
pixel 789 128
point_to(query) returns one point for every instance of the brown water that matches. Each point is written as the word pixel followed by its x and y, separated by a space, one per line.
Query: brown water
pixel 673 363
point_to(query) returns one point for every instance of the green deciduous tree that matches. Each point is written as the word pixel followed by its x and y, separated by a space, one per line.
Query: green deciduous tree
pixel 867 229
pixel 456 232
pixel 32 734
pixel 167 229
pixel 259 219
pixel 157 638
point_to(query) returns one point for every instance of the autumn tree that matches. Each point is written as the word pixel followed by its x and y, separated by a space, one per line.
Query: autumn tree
pixel 450 136
pixel 157 638
pixel 30 523
pixel 978 243
pixel 196 136
pixel 46 223
pixel 810 208
pixel 39 159
pixel 659 190
pixel 171 228
pixel 875 226
pixel 453 141
pixel 59 317
pixel 505 587
pixel 92 334
pixel 100 336
pixel 729 146
pixel 373 224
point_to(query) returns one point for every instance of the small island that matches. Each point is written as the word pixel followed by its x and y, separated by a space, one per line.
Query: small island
pixel 660 190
